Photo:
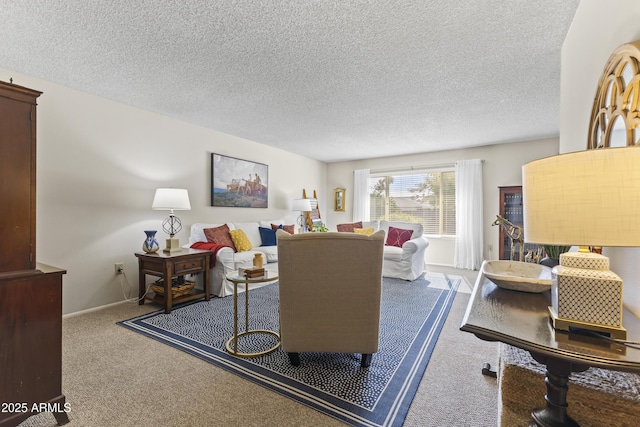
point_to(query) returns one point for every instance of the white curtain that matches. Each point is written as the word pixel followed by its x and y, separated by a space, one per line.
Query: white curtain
pixel 469 221
pixel 361 195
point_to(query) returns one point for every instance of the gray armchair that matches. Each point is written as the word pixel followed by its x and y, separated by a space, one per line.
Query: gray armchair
pixel 330 286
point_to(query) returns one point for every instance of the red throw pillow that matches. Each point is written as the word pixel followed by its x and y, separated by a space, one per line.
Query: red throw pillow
pixel 348 228
pixel 219 235
pixel 398 236
pixel 291 229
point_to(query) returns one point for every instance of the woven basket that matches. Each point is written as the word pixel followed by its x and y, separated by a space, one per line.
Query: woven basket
pixel 176 291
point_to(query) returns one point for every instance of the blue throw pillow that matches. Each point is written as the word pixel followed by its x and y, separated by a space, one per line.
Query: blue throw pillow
pixel 268 236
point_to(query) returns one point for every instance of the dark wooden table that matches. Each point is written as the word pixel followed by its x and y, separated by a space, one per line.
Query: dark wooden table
pixel 522 320
pixel 169 265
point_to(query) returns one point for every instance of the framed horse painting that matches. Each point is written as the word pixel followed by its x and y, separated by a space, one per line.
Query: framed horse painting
pixel 238 183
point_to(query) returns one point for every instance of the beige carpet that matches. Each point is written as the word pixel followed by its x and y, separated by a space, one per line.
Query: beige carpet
pixel 116 377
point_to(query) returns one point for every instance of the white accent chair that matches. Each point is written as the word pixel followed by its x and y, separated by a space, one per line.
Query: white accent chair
pixel 407 262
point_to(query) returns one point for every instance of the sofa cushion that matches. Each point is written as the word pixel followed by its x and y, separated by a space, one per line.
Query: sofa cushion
pixel 393 253
pixel 240 240
pixel 268 236
pixel 368 231
pixel 270 253
pixel 370 224
pixel 348 228
pixel 243 259
pixel 414 226
pixel 291 229
pixel 251 230
pixel 267 224
pixel 398 236
pixel 197 231
pixel 219 235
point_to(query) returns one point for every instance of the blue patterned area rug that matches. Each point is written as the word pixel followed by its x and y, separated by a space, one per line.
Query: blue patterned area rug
pixel 412 316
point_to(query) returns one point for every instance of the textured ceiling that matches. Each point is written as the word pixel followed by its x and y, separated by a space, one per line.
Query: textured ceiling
pixel 332 80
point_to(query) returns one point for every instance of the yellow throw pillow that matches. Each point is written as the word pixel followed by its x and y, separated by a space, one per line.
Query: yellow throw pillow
pixel 240 240
pixel 367 231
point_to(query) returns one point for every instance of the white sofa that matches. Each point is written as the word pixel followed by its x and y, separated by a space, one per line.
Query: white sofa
pixel 227 260
pixel 406 262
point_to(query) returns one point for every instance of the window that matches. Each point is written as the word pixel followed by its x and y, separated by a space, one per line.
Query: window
pixel 428 198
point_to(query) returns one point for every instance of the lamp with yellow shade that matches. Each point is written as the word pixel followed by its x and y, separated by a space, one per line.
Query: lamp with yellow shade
pixel 587 198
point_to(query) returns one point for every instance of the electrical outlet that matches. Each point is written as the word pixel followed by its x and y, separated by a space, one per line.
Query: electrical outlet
pixel 119 267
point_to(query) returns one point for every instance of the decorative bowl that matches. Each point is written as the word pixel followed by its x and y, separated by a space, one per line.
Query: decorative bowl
pixel 518 276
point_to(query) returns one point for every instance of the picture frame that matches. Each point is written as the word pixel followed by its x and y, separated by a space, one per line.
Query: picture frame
pixel 339 199
pixel 238 183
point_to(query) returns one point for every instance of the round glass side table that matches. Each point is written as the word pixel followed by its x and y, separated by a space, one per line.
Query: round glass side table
pixel 232 344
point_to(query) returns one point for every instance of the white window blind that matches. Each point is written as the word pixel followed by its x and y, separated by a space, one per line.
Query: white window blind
pixel 427 197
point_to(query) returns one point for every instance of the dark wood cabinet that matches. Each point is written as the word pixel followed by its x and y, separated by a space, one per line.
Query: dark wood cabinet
pixel 511 210
pixel 30 293
pixel 18 177
pixel 31 345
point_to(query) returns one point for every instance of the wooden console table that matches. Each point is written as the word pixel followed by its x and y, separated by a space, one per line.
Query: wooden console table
pixel 522 320
pixel 169 265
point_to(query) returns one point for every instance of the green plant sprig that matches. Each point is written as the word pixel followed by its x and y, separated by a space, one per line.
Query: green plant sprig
pixel 554 251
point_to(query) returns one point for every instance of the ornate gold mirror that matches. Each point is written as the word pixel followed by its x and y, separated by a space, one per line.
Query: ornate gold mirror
pixel 615 116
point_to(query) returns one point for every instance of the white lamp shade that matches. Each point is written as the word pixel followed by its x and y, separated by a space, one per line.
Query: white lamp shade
pixel 586 198
pixel 167 199
pixel 302 205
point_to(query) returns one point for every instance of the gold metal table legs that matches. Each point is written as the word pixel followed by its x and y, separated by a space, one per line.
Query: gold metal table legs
pixel 232 343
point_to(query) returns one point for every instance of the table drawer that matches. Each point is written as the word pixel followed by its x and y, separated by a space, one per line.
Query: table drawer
pixel 188 266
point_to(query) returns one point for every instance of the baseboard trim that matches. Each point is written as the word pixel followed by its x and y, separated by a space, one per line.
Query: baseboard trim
pixel 438 265
pixel 89 310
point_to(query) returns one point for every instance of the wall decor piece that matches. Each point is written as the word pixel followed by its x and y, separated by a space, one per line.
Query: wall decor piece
pixel 338 199
pixel 615 114
pixel 238 183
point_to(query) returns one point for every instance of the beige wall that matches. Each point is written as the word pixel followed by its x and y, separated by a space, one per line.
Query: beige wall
pixel 502 166
pixel 99 163
pixel 597 30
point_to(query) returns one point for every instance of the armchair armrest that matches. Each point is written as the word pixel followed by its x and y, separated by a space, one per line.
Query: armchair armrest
pixel 225 257
pixel 413 246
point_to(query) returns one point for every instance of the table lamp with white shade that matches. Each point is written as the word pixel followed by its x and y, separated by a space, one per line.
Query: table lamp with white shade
pixel 301 205
pixel 171 199
pixel 586 198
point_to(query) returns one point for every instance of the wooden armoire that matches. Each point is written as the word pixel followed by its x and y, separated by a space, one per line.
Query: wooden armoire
pixel 30 292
